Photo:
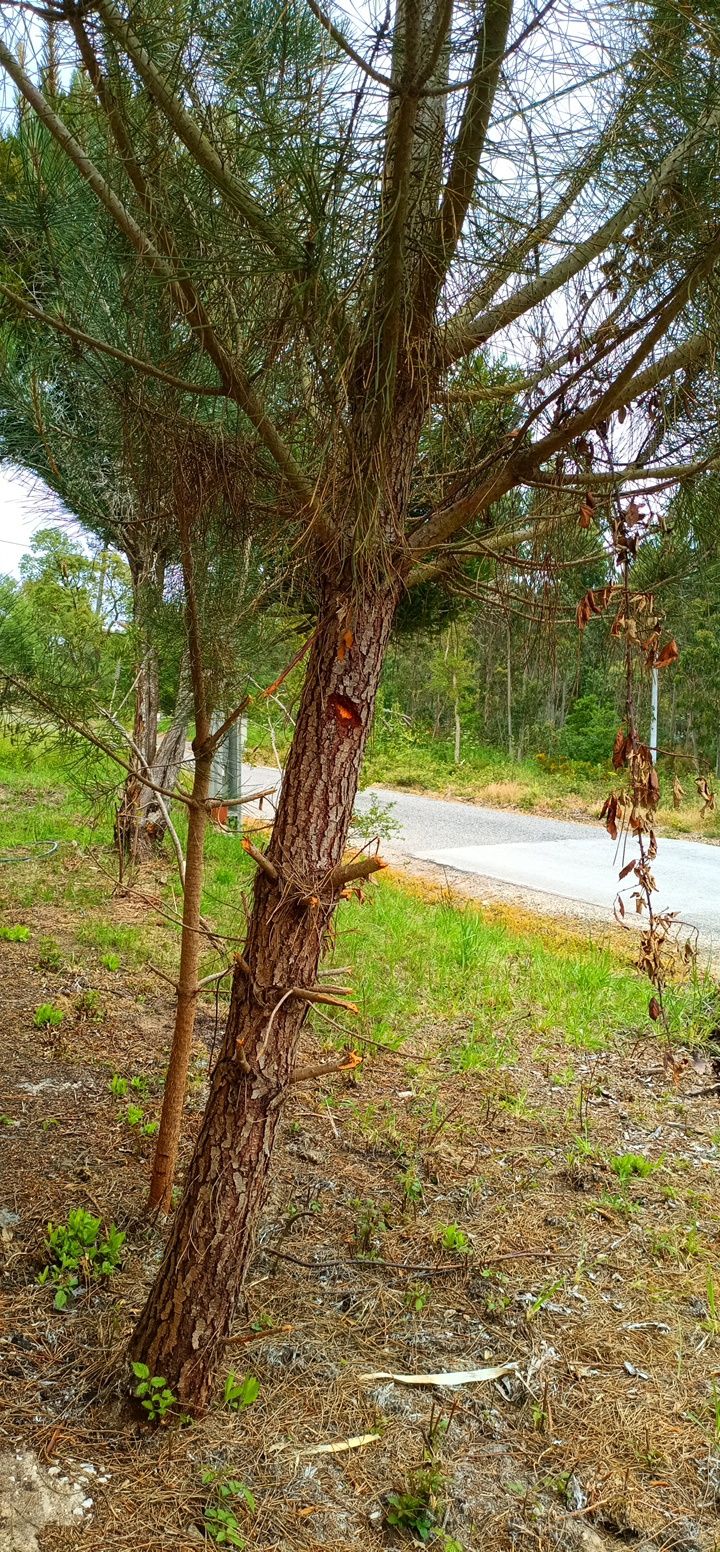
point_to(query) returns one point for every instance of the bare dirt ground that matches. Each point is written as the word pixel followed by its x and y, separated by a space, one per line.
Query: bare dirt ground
pixel 422 1220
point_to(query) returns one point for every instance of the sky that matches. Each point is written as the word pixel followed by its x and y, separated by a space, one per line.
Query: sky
pixel 25 505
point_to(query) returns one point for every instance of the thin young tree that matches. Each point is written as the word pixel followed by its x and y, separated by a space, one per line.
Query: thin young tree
pixel 430 205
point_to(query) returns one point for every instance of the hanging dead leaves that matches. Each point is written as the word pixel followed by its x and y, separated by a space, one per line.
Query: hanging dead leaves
pixel 587 510
pixel 595 603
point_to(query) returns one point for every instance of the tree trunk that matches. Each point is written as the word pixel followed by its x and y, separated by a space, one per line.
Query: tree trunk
pixel 151 824
pixel 168 1137
pixel 456 716
pixel 509 695
pixel 134 842
pixel 191 1305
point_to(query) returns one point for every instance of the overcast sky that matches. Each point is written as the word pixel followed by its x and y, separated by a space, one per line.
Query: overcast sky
pixel 25 505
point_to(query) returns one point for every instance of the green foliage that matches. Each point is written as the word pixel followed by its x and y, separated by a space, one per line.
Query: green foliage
pixel 454 1239
pixel 419 1509
pixel 589 730
pixel 220 1515
pixel 240 1393
pixel 50 954
pixel 89 1006
pixel 111 961
pixel 376 819
pixel 118 1086
pixel 155 1395
pixel 51 633
pixel 14 934
pixel 81 1252
pixel 417 1295
pixel 370 1225
pixel 412 1187
pixel 47 1016
pixel 628 1165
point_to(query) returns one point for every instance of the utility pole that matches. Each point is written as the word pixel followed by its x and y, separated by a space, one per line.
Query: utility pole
pixel 654 715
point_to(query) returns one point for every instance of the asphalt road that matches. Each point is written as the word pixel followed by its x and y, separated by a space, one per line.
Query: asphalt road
pixel 548 863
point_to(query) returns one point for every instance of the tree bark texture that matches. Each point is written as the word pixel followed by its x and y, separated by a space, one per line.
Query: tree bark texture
pixel 134 839
pixel 190 1309
pixel 170 1128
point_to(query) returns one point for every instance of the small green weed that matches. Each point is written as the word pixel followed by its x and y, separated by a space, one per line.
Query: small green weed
pixel 220 1515
pixel 118 1086
pixel 50 955
pixel 239 1394
pixel 417 1296
pixel 617 1204
pixel 89 1006
pixel 412 1188
pixel 14 934
pixel 627 1165
pixel 80 1252
pixel 712 1324
pixel 134 1115
pixel 155 1395
pixel 676 1244
pixel 377 819
pixel 419 1508
pixel 111 961
pixel 47 1016
pixel 545 1295
pixel 453 1238
pixel 370 1226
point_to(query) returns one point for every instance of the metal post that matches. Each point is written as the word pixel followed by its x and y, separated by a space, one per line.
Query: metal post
pixel 654 716
pixel 217 779
pixel 233 774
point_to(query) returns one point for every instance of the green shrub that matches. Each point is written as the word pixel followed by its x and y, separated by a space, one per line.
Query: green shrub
pixel 80 1253
pixel 589 730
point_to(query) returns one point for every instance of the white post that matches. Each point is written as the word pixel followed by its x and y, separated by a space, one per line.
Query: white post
pixel 654 716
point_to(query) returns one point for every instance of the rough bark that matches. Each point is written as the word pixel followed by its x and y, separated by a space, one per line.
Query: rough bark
pixel 190 1308
pixel 134 840
pixel 165 771
pixel 169 1130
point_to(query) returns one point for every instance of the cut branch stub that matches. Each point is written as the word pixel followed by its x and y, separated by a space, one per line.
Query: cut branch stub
pixel 262 861
pixel 348 872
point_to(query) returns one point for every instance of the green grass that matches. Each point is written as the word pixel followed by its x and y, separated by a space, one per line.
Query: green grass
pixel 419 963
pixel 481 986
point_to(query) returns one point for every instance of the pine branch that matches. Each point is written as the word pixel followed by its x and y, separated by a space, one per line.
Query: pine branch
pixel 146 368
pixel 235 380
pixel 581 254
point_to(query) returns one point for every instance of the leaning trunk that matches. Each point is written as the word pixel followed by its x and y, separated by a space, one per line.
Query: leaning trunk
pixel 152 823
pixel 168 1137
pixel 190 1309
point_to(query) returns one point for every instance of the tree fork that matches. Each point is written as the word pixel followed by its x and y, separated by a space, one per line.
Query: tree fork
pixel 189 1312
